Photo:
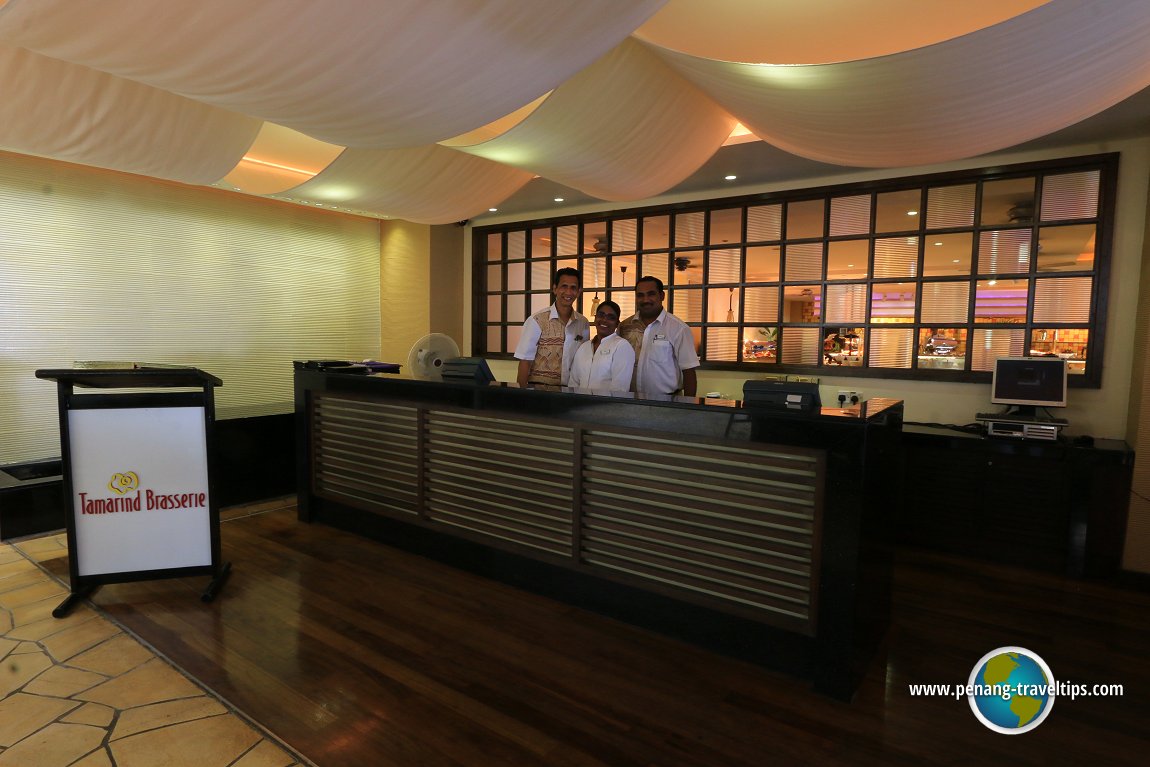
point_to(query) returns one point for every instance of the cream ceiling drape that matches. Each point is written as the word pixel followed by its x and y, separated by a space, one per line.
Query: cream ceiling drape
pixel 436 110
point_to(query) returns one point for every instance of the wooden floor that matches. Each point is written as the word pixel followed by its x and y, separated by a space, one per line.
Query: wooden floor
pixel 359 655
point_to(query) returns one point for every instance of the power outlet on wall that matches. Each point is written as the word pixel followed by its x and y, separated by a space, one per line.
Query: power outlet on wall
pixel 849 397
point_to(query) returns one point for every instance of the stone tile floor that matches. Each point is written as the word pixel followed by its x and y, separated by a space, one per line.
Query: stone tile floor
pixel 81 692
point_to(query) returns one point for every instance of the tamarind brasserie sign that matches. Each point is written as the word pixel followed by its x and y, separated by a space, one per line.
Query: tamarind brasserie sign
pixel 139 489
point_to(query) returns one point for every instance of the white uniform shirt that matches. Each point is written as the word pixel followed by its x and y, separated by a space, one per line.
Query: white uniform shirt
pixel 608 369
pixel 668 349
pixel 576 331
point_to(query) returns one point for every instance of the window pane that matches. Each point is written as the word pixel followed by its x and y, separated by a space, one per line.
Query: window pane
pixel 567 238
pixel 623 234
pixel 540 301
pixel 898 211
pixel 594 273
pixel 595 237
pixel 1070 195
pixel 947 254
pixel 495 308
pixel 989 345
pixel 941 348
pixel 541 243
pixel 656 230
pixel 761 305
pixel 764 222
pixel 1066 248
pixel 516 311
pixel 688 267
pixel 896 257
pixel 804 262
pixel 801 346
pixel 1010 201
pixel 846 303
pixel 569 263
pixel 760 344
pixel 1004 251
pixel 495 277
pixel 1001 301
pixel 722 344
pixel 722 305
pixel 802 303
pixel 623 272
pixel 891 348
pixel 657 265
pixel 805 219
pixel 763 263
pixel 514 332
pixel 1069 344
pixel 494 247
pixel 892 302
pixel 689 229
pixel 516 245
pixel 945 301
pixel 541 275
pixel 847 259
pixel 515 276
pixel 495 339
pixel 723 265
pixel 726 226
pixel 686 304
pixel 843 346
pixel 1065 299
pixel 850 215
pixel 626 301
pixel 949 206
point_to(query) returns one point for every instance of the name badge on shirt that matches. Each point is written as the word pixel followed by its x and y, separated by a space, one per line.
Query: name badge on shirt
pixel 605 351
pixel 659 337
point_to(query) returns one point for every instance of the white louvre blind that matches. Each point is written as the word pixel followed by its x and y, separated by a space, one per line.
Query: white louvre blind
pixel 104 266
pixel 516 245
pixel 723 344
pixel 945 302
pixel 689 229
pixel 845 303
pixel 761 304
pixel 1062 300
pixel 1005 251
pixel 896 257
pixel 764 222
pixel 948 206
pixel 723 265
pixel 804 261
pixel 567 240
pixel 891 348
pixel 850 215
pixel 989 345
pixel 1070 195
pixel 623 235
pixel 801 346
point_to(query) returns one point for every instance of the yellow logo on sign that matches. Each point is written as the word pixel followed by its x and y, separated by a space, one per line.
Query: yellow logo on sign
pixel 124 483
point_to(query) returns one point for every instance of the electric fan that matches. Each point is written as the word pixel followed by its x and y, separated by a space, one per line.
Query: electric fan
pixel 426 358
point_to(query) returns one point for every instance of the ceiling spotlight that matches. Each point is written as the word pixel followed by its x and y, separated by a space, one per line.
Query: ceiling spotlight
pixel 558 199
pixel 938 243
pixel 956 261
pixel 912 212
pixel 492 210
pixel 730 177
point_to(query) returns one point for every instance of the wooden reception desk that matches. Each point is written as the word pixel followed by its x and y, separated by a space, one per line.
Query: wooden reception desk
pixel 760 533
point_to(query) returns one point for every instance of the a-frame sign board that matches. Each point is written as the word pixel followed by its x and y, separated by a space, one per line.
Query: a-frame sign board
pixel 138 477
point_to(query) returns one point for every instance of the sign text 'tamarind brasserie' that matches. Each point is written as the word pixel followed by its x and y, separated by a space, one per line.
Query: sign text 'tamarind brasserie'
pixel 142 500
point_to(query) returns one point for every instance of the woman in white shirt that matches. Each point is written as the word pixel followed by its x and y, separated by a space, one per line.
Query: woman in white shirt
pixel 607 361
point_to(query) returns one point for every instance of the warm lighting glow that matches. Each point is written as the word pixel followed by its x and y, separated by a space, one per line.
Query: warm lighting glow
pixel 492 210
pixel 558 199
pixel 912 212
pixel 277 166
pixel 731 177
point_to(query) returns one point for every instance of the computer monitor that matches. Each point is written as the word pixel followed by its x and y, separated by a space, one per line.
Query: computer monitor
pixel 467 369
pixel 1029 383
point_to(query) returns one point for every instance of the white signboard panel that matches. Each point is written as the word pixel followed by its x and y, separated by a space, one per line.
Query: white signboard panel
pixel 139 489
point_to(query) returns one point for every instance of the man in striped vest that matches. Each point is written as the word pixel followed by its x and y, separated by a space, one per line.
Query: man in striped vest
pixel 551 336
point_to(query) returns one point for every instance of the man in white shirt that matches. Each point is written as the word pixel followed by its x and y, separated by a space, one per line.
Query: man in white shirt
pixel 551 336
pixel 663 344
pixel 607 362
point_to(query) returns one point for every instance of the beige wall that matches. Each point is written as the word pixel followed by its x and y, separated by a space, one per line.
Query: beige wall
pixel 404 287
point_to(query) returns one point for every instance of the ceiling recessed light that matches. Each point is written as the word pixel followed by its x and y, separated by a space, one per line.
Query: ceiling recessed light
pixel 938 243
pixel 492 210
pixel 956 261
pixel 730 177
pixel 558 199
pixel 912 212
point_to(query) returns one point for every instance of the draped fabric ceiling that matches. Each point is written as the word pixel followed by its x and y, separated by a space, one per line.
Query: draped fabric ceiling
pixel 435 110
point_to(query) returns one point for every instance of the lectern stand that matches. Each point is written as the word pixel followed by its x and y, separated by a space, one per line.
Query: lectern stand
pixel 138 477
